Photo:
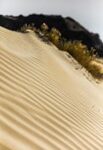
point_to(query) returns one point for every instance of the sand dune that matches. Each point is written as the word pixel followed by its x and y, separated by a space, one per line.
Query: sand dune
pixel 45 103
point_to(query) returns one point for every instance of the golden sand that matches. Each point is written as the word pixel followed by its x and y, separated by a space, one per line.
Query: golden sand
pixel 45 103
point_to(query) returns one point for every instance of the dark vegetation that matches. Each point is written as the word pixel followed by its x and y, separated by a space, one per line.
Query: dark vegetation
pixel 69 28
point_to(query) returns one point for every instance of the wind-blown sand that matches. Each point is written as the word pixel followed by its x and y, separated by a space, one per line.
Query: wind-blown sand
pixel 45 103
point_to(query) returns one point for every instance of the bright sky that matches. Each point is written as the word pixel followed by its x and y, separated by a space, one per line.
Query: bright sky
pixel 88 12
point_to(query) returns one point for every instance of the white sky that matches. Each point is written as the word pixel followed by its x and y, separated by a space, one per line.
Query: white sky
pixel 88 12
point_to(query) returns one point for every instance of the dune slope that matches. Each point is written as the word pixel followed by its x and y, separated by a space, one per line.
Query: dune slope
pixel 45 103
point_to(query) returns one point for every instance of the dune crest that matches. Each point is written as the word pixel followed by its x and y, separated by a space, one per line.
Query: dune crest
pixel 45 103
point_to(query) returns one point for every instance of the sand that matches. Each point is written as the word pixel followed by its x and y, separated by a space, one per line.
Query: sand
pixel 45 103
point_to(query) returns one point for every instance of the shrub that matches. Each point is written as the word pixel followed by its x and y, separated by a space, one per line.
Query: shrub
pixel 23 28
pixel 55 36
pixel 26 27
pixel 44 28
pixel 79 52
pixel 84 56
pixel 95 70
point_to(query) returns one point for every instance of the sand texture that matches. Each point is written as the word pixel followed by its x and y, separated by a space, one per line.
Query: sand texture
pixel 45 103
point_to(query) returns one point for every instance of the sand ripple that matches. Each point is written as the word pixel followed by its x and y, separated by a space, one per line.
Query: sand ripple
pixel 45 104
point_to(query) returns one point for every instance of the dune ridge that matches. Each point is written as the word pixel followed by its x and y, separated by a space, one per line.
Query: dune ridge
pixel 45 103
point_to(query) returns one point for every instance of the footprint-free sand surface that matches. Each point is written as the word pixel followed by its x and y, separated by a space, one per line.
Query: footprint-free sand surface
pixel 45 103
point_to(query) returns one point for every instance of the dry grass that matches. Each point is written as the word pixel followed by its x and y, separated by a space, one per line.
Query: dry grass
pixel 85 57
pixel 78 50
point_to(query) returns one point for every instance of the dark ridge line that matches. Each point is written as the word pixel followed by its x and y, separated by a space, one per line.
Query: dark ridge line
pixel 69 28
